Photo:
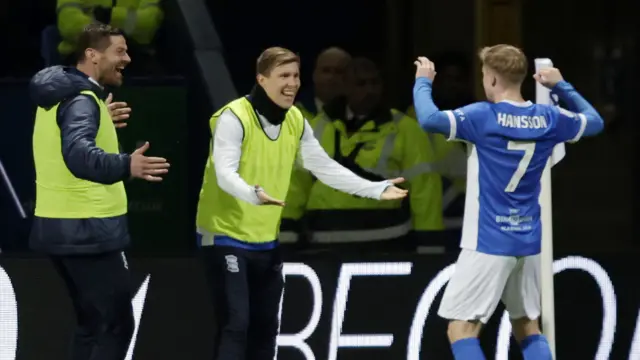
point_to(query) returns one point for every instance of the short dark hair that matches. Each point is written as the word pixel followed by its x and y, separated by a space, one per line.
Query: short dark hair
pixel 274 57
pixel 95 36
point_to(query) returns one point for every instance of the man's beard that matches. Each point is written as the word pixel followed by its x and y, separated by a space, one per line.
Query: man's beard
pixel 110 78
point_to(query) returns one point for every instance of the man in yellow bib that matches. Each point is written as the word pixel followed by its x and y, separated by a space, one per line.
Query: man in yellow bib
pixel 256 140
pixel 81 205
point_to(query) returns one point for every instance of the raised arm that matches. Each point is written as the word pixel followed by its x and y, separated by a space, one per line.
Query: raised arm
pixel 456 125
pixel 431 119
pixel 581 119
pixel 594 123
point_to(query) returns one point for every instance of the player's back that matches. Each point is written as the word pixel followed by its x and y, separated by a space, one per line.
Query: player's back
pixel 511 149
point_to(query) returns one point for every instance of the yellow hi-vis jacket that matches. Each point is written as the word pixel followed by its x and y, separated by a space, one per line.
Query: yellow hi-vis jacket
pixel 61 195
pixel 307 113
pixel 452 165
pixel 376 151
pixel 73 16
pixel 139 19
pixel 300 185
pixel 263 160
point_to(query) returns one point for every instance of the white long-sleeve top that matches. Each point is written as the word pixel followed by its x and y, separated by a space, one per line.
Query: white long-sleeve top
pixel 227 149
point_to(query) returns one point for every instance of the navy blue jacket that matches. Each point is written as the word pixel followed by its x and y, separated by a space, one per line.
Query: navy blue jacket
pixel 78 117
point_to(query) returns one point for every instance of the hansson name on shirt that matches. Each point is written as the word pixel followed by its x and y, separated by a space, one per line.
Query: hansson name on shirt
pixel 522 121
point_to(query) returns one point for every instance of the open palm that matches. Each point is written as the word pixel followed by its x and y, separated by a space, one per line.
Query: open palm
pixel 393 192
pixel 265 199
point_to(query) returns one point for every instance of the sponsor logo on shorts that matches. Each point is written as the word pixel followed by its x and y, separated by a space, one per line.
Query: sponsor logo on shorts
pixel 232 263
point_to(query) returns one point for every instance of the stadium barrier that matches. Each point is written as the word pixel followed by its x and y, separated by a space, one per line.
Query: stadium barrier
pixel 381 307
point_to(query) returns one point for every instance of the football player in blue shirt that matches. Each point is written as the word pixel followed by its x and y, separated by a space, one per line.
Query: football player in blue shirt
pixel 510 141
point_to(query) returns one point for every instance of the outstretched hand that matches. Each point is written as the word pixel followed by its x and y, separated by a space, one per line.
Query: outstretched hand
pixel 265 199
pixel 118 110
pixel 393 192
pixel 147 168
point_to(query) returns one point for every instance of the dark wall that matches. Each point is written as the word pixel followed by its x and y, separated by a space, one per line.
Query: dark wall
pixel 594 188
pixel 304 27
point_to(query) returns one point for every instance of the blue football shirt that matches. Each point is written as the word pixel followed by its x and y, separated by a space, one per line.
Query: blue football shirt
pixel 510 144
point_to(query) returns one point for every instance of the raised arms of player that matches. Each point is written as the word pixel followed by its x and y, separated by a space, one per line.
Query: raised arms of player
pixel 430 117
pixel 336 176
pixel 456 125
pixel 581 119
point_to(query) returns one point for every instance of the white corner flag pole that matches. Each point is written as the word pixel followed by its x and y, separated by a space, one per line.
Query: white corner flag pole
pixel 543 96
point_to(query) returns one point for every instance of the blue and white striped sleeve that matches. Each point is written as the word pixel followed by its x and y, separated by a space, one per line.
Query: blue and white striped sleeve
pixel 580 119
pixel 458 124
pixel 431 119
pixel 465 123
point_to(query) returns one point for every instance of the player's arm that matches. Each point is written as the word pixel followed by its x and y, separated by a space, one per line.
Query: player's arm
pixel 227 149
pixel 78 119
pixel 334 175
pixel 431 119
pixel 71 20
pixel 456 125
pixel 588 121
pixel 582 119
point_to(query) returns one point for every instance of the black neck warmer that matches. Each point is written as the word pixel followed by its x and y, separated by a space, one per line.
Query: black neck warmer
pixel 265 106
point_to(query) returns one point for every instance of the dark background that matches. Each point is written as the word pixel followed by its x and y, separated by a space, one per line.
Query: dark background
pixel 176 320
pixel 594 187
pixel 594 192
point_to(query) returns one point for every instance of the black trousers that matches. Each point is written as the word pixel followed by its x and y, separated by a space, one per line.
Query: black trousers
pixel 101 291
pixel 246 290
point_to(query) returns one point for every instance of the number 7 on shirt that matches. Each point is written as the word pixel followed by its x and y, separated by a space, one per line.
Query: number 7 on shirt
pixel 529 148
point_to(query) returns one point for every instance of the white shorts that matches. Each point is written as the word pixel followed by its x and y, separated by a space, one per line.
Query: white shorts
pixel 481 280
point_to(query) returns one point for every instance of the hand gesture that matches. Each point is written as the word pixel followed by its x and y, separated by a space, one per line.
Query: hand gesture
pixel 548 77
pixel 119 111
pixel 147 168
pixel 425 68
pixel 392 192
pixel 266 199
